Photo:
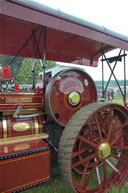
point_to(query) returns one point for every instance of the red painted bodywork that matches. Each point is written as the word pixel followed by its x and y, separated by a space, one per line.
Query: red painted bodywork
pixel 60 46
pixel 23 171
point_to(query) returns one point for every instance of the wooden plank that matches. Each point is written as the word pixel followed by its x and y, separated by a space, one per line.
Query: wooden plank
pixel 20 139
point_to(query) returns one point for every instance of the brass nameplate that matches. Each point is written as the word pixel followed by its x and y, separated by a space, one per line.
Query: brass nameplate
pixel 18 99
pixel 20 147
pixel 21 126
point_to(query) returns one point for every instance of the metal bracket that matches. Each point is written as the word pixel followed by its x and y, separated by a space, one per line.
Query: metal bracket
pixel 17 111
pixel 108 61
pixel 30 115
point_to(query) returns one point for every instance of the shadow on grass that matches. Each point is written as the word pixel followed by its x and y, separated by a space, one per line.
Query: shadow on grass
pixel 55 185
pixel 114 189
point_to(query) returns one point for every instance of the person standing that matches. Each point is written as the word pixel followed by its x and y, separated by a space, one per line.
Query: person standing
pixel 109 96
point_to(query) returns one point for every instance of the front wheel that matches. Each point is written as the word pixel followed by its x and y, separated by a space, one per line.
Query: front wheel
pixel 93 150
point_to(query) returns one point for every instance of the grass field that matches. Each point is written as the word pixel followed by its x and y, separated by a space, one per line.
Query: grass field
pixel 56 185
pixel 118 100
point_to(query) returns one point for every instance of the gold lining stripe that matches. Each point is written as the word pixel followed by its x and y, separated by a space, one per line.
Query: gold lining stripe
pixel 36 125
pixel 27 184
pixel 5 128
pixel 18 93
pixel 25 157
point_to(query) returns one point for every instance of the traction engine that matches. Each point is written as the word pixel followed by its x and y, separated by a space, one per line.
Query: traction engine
pixel 56 126
pixel 63 131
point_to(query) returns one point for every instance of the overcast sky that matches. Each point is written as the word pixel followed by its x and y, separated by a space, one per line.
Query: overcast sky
pixel 112 14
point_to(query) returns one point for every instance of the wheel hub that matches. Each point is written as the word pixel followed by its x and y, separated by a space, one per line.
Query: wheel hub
pixel 104 150
pixel 74 98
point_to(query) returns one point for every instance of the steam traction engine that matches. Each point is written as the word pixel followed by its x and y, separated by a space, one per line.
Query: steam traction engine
pixel 59 124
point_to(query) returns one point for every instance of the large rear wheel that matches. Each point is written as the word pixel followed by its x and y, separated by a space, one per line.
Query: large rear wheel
pixel 93 150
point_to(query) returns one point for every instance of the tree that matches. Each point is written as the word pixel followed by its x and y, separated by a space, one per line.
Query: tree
pixel 24 75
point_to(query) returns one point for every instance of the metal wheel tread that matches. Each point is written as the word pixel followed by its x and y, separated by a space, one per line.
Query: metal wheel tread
pixel 66 136
pixel 69 135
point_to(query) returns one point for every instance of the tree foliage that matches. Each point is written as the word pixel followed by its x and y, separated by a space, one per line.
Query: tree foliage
pixel 24 75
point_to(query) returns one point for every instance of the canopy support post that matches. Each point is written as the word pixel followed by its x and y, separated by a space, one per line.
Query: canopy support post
pixel 44 59
pixel 124 78
pixel 33 63
pixel 102 76
pixel 115 59
pixel 112 72
pixel 35 51
pixel 22 48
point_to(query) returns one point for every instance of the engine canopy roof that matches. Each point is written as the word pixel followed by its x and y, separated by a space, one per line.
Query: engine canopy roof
pixel 69 39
